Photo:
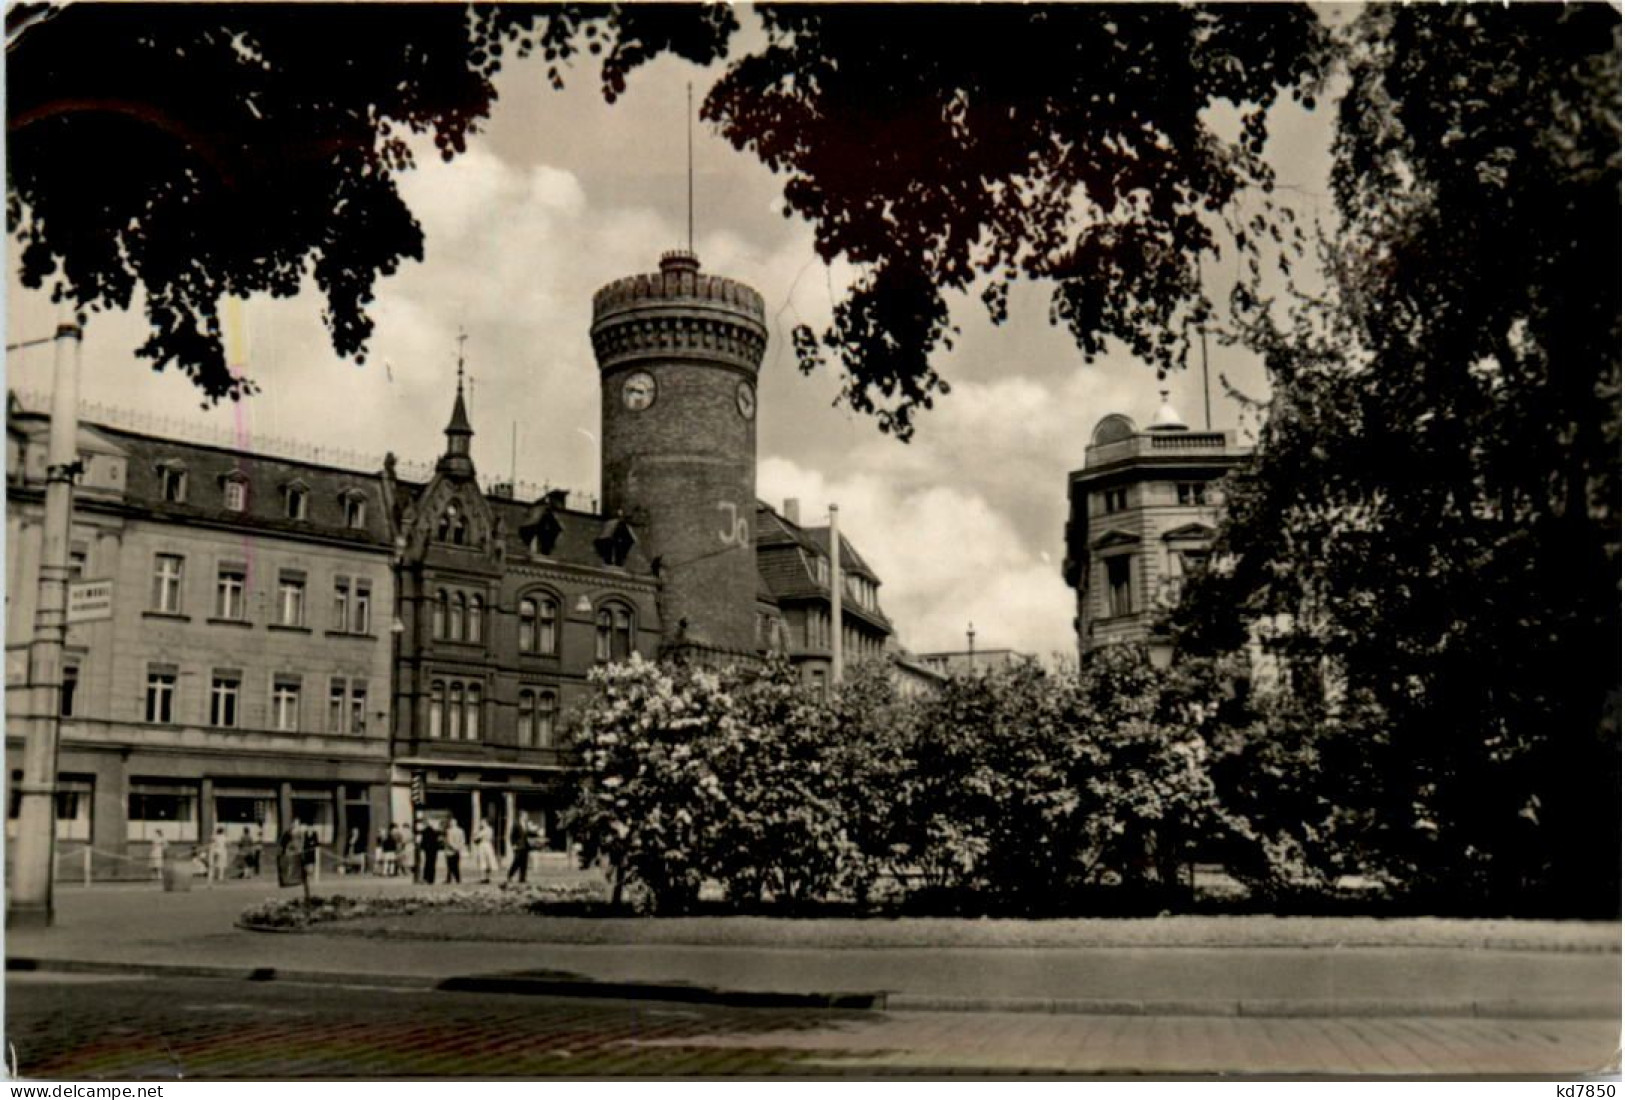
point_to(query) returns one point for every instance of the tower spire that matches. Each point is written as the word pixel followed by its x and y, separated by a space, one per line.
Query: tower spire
pixel 457 460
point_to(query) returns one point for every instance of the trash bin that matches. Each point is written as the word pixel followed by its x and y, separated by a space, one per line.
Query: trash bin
pixel 177 872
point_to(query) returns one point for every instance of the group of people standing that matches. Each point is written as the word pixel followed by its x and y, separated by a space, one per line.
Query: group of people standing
pixel 220 858
pixel 402 851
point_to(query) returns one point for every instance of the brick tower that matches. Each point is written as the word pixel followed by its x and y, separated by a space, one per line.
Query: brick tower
pixel 678 355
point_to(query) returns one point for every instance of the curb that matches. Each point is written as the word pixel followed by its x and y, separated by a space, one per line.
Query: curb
pixel 683 993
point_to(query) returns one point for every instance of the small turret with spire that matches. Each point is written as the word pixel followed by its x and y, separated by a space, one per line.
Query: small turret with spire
pixel 458 462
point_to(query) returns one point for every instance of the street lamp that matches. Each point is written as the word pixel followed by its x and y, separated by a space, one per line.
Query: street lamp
pixel 29 901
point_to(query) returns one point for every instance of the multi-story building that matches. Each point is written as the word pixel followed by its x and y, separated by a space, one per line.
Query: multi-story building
pixel 794 562
pixel 504 609
pixel 242 676
pixel 1144 509
pixel 294 641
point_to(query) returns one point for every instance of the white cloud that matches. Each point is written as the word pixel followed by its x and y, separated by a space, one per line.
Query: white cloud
pixel 946 557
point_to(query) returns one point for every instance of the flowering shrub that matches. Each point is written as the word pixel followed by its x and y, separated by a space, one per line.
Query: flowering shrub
pixel 296 912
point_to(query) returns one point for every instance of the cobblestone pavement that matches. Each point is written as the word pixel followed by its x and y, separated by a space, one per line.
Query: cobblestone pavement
pixel 81 1027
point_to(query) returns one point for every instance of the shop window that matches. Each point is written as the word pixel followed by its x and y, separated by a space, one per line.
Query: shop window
pixel 315 809
pixel 247 809
pixel 162 809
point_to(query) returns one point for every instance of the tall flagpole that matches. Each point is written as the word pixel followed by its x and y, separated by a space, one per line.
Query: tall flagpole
pixel 30 901
pixel 835 620
pixel 691 166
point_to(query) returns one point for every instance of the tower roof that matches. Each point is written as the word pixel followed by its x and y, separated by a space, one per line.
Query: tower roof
pixel 1167 420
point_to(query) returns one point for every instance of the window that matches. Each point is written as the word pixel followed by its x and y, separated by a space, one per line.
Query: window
pixel 547 706
pixel 471 713
pixel 225 691
pixel 172 484
pixel 166 583
pixel 290 599
pixel 527 719
pixel 454 711
pixel 70 688
pixel 538 625
pixel 1188 561
pixel 437 709
pixel 74 795
pixel 162 809
pixel 230 587
pixel 476 618
pixel 1119 591
pixel 160 693
pixel 361 607
pixel 454 625
pixel 527 626
pixel 78 559
pixel 440 603
pixel 537 713
pixel 352 605
pixel 453 528
pixel 358 707
pixel 821 564
pixel 314 807
pixel 1116 500
pixel 298 502
pixel 285 703
pixel 1192 492
pixel 236 494
pixel 614 640
pixel 355 511
pixel 338 692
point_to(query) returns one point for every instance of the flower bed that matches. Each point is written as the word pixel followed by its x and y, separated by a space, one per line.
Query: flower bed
pixel 284 914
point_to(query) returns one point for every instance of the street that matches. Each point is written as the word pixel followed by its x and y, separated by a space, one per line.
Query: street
pixel 94 1026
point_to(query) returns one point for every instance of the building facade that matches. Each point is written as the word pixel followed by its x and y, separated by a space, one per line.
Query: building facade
pixel 291 641
pixel 241 676
pixel 1143 512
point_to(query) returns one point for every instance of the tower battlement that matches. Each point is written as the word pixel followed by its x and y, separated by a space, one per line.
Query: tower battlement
pixel 678 313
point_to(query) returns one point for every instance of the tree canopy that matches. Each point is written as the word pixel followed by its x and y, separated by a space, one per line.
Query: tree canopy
pixel 199 150
pixel 1433 515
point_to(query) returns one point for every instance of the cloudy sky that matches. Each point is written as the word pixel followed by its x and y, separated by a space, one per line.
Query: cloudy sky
pixel 561 194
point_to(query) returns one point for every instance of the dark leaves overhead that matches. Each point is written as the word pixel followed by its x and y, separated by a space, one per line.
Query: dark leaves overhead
pixel 198 150
pixel 936 146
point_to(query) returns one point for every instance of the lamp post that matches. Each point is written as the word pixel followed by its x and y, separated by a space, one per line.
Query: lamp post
pixel 29 901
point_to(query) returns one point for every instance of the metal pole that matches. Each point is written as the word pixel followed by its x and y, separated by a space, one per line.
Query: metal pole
pixel 30 900
pixel 1207 392
pixel 835 593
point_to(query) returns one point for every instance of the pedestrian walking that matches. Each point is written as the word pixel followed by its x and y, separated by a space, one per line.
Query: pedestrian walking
pixel 219 854
pixel 246 854
pixel 309 850
pixel 430 846
pixel 485 853
pixel 456 845
pixel 156 854
pixel 391 841
pixel 409 854
pixel 520 840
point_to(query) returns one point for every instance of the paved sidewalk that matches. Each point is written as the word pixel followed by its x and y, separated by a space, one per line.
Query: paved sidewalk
pixel 144 927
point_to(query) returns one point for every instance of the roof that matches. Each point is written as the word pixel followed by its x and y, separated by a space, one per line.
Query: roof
pixel 772 530
pixel 269 480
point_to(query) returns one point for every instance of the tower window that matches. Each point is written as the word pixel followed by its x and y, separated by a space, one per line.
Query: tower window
pixel 1115 500
pixel 1192 492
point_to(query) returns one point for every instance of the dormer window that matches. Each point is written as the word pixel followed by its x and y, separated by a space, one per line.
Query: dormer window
pixel 172 483
pixel 298 500
pixel 355 510
pixel 234 493
pixel 615 542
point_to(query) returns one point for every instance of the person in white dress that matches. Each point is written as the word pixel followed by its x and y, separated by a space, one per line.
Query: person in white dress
pixel 485 853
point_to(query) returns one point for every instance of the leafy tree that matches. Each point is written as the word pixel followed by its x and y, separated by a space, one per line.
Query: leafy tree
pixel 870 734
pixel 936 147
pixel 1433 517
pixel 197 150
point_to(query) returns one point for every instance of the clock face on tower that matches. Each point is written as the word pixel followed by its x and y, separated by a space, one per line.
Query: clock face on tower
pixel 638 391
pixel 745 397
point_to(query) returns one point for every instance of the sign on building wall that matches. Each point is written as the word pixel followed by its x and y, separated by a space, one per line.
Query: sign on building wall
pixel 90 600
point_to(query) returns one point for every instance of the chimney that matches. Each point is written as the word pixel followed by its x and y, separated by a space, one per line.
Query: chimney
pixel 792 510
